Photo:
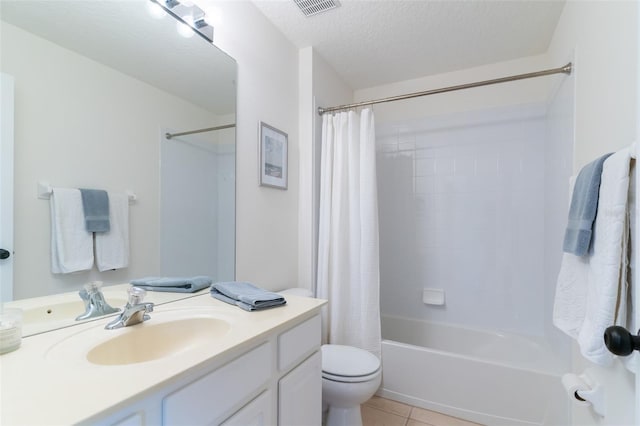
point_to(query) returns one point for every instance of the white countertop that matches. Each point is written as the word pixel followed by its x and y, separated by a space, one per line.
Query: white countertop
pixel 47 381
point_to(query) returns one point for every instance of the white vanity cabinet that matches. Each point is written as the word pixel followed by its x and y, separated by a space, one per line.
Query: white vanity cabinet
pixel 264 370
pixel 277 380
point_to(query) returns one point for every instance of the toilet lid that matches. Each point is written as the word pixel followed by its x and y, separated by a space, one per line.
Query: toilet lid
pixel 348 361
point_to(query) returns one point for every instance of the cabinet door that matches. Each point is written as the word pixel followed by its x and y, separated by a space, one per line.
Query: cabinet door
pixel 215 396
pixel 258 412
pixel 300 394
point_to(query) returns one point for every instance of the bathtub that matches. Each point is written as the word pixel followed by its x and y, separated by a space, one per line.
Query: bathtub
pixel 484 377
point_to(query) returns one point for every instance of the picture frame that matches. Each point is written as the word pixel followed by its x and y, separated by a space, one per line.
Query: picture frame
pixel 274 156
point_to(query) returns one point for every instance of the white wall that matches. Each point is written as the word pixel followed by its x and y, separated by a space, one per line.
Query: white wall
pixel 603 36
pixel 320 85
pixel 306 211
pixel 113 144
pixel 481 98
pixel 266 218
pixel 558 148
pixel 453 112
pixel 196 200
pixel 462 210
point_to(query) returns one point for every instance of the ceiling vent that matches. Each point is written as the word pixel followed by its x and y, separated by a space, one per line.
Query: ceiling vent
pixel 313 7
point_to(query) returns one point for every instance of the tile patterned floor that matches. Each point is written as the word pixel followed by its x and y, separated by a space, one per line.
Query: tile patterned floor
pixel 385 412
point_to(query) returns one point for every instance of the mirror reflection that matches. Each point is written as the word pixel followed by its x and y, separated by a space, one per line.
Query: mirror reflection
pixel 96 87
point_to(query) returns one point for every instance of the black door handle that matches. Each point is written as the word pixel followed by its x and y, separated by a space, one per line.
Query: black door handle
pixel 620 342
pixel 4 253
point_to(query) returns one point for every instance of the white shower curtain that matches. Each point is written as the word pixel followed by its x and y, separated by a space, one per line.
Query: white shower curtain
pixel 348 247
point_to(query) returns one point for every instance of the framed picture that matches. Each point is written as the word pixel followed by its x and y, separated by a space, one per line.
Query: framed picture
pixel 273 157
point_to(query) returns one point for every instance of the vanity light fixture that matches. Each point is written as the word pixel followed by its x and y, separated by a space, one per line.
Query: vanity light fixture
pixel 191 19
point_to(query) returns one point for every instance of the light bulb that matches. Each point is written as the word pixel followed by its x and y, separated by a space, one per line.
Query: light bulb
pixel 155 10
pixel 185 30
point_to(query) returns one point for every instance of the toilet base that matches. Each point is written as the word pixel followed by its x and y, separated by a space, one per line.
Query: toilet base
pixel 341 416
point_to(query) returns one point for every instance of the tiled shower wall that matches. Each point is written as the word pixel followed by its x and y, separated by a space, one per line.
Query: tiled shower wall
pixel 462 208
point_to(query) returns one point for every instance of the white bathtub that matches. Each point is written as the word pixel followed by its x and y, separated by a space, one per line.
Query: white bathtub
pixel 489 378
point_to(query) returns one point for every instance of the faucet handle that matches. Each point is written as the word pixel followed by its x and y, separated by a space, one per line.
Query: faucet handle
pixel 136 295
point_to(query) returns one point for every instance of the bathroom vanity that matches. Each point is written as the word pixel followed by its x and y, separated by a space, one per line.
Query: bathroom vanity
pixel 196 361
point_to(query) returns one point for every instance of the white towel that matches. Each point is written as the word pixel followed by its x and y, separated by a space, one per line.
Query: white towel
pixel 591 292
pixel 112 248
pixel 71 244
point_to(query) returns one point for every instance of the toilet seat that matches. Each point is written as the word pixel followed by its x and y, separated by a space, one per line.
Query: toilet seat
pixel 348 364
pixel 350 379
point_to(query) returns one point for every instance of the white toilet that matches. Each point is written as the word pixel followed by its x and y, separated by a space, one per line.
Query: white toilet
pixel 350 376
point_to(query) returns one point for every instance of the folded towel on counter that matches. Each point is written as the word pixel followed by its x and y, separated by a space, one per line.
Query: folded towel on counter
pixel 582 212
pixel 95 205
pixel 112 247
pixel 71 244
pixel 246 296
pixel 173 284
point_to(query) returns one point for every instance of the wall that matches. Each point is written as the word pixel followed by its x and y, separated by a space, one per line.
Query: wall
pixel 115 146
pixel 603 37
pixel 462 210
pixel 197 196
pixel 500 99
pixel 320 85
pixel 266 218
pixel 513 93
pixel 558 148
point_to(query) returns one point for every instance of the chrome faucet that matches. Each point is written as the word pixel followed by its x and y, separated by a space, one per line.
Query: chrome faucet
pixel 134 312
pixel 94 303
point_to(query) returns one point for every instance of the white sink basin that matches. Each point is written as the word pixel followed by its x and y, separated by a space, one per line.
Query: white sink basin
pixel 151 341
pixel 167 334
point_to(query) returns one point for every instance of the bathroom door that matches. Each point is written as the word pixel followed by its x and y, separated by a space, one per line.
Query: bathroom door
pixel 6 187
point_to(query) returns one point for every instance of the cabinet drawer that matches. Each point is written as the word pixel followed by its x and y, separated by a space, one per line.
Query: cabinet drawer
pixel 295 344
pixel 204 401
pixel 258 412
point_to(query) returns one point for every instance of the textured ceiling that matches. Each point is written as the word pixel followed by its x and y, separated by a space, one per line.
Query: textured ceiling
pixel 370 43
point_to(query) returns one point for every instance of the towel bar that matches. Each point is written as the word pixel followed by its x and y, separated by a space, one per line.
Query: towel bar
pixel 45 190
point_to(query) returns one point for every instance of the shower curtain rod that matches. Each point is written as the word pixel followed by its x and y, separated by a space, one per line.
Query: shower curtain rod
pixel 564 70
pixel 191 132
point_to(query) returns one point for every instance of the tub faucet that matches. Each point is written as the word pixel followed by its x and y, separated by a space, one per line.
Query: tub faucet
pixel 134 311
pixel 94 303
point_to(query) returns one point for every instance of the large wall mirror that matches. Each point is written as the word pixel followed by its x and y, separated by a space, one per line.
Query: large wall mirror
pixel 97 85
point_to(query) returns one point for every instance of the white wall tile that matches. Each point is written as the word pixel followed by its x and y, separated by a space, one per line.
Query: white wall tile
pixel 478 224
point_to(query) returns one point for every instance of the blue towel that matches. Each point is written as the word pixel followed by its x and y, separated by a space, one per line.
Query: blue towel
pixel 173 284
pixel 95 205
pixel 583 209
pixel 246 295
